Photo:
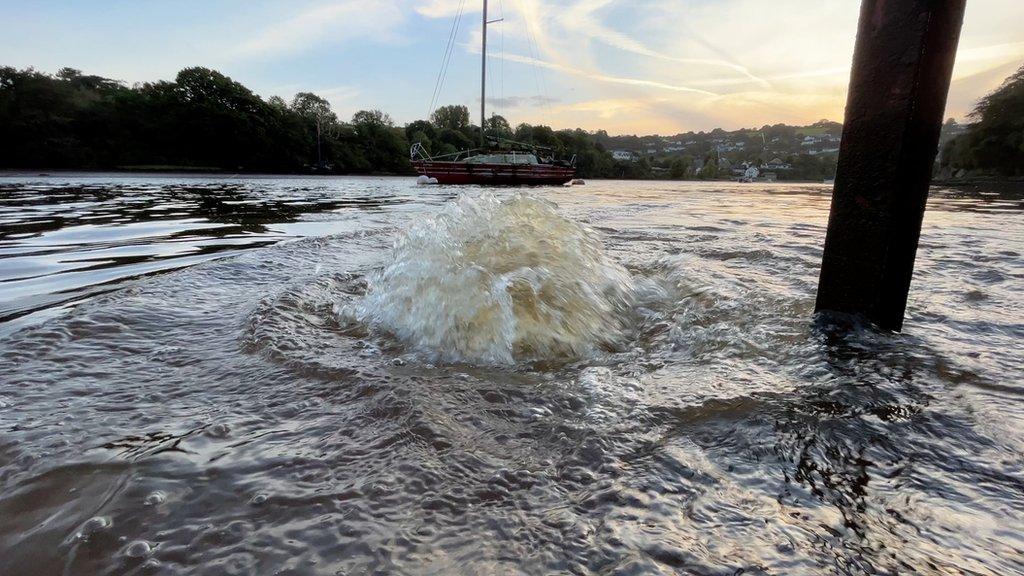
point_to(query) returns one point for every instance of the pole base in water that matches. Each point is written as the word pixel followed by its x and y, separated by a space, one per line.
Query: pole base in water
pixel 902 69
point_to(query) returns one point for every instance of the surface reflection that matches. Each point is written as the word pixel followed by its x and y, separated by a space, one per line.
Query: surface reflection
pixel 62 243
pixel 227 417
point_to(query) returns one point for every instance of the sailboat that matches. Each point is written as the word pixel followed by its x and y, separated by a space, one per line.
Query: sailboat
pixel 495 162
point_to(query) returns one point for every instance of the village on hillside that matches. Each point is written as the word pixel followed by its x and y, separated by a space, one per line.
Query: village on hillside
pixel 768 154
pixel 771 153
pixel 206 121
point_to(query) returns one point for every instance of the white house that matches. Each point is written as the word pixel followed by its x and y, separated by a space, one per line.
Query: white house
pixel 625 155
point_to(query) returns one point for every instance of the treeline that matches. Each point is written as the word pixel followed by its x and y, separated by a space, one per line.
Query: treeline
pixel 200 120
pixel 205 120
pixel 993 144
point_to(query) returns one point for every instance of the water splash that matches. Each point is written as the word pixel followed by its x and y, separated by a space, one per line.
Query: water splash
pixel 499 280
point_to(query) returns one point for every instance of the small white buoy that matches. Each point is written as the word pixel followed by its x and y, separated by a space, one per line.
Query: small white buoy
pixel 425 180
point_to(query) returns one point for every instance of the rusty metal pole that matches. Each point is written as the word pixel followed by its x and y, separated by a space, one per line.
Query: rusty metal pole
pixel 902 67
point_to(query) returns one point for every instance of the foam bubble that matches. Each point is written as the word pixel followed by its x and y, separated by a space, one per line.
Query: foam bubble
pixel 138 549
pixel 499 280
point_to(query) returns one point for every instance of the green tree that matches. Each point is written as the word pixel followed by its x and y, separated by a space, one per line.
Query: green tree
pixel 384 147
pixel 420 126
pixel 277 103
pixel 995 140
pixel 498 127
pixel 677 170
pixel 523 133
pixel 452 117
pixel 375 118
pixel 710 170
pixel 313 107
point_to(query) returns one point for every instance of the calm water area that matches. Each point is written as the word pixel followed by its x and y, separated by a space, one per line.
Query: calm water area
pixel 348 376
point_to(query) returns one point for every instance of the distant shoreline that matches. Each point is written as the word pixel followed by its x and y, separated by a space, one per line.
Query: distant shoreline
pixel 170 171
pixel 196 172
pixel 183 171
pixel 192 172
pixel 961 182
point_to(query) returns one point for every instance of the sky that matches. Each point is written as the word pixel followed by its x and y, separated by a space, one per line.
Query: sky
pixel 628 67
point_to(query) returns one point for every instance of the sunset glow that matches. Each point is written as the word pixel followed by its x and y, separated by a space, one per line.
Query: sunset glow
pixel 654 66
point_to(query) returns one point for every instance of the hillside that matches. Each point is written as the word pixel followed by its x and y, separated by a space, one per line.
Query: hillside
pixel 203 120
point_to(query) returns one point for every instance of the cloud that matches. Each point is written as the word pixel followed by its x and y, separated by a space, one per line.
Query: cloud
pixel 613 107
pixel 581 17
pixel 340 97
pixel 522 101
pixel 332 22
pixel 593 75
pixel 597 76
pixel 965 91
pixel 444 8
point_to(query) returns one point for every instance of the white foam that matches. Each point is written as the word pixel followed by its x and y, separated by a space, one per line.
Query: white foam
pixel 498 280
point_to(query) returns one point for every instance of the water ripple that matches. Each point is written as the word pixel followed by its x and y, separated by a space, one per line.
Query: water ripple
pixel 181 396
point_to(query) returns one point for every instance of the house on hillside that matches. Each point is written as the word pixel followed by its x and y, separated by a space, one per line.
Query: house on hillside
pixel 624 155
pixel 776 164
pixel 750 174
pixel 740 169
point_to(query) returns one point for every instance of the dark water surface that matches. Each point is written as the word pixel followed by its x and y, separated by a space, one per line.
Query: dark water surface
pixel 180 393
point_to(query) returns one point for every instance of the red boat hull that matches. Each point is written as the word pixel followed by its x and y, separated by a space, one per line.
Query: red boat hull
pixel 495 174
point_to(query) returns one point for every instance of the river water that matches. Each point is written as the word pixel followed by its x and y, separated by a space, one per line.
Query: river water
pixel 362 376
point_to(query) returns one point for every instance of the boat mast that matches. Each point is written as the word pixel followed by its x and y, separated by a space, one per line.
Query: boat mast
pixel 483 83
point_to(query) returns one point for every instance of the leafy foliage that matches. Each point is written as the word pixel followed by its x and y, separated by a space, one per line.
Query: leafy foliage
pixel 451 117
pixel 994 142
pixel 204 119
pixel 201 119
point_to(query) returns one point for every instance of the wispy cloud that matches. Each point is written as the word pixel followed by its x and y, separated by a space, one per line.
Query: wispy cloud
pixel 582 17
pixel 444 8
pixel 692 63
pixel 599 77
pixel 340 97
pixel 522 101
pixel 326 23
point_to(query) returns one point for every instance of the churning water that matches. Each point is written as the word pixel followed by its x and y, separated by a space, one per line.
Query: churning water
pixel 492 281
pixel 362 376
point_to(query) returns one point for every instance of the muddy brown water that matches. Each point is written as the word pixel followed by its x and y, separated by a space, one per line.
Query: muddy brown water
pixel 179 394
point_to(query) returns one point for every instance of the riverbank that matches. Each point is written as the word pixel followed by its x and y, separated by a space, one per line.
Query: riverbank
pixel 163 171
pixel 967 184
pixel 979 182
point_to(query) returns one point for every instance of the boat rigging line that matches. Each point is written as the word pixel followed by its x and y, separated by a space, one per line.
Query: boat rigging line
pixel 501 61
pixel 538 72
pixel 449 50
